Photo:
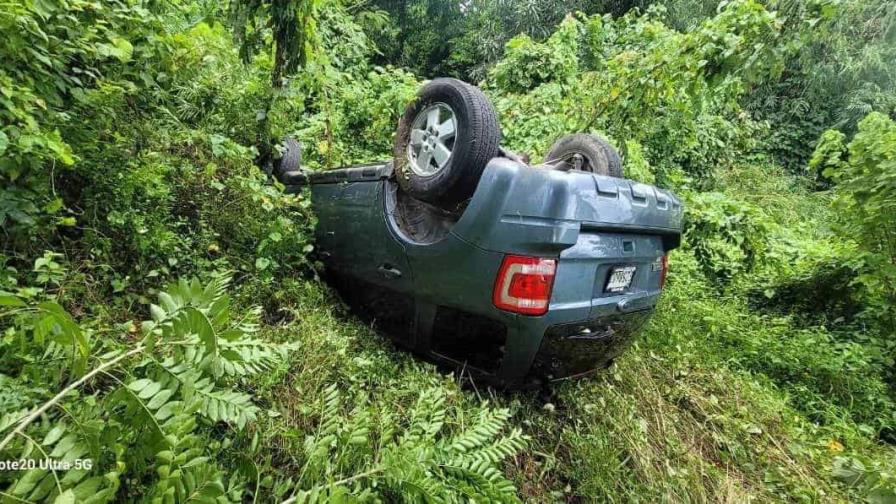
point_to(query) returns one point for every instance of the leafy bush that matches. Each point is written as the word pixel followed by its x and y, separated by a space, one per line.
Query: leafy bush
pixel 727 236
pixel 830 153
pixel 838 67
pixel 357 117
pixel 825 375
pixel 865 204
pixel 635 78
pixel 528 64
pixel 53 54
pixel 821 295
pixel 636 165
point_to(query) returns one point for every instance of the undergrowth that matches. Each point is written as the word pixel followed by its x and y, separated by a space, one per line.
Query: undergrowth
pixel 161 313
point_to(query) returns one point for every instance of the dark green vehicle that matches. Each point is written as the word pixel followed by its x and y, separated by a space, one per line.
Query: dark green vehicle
pixel 465 253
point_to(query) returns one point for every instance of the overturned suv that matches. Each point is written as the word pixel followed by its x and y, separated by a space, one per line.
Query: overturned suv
pixel 463 252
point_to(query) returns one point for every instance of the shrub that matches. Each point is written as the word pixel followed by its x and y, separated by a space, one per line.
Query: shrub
pixel 636 165
pixel 865 203
pixel 54 54
pixel 528 64
pixel 727 236
pixel 636 79
pixel 356 119
pixel 830 154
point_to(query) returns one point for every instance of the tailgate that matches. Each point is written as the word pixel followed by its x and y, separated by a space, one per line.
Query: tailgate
pixel 538 211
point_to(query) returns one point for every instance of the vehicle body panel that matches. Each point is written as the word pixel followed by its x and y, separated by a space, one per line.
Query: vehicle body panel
pixel 536 210
pixel 351 233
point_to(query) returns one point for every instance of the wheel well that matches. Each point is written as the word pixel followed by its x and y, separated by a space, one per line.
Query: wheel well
pixel 417 221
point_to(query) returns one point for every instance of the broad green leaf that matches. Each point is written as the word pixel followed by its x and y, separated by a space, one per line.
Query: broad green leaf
pixel 125 49
pixel 87 488
pixel 26 483
pixel 66 497
pixel 157 313
pixel 200 325
pixel 139 385
pixel 149 390
pixel 54 435
pixel 167 302
pixel 168 410
pixel 159 399
pixel 10 300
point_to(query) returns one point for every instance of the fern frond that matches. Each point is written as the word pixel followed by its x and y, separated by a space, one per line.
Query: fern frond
pixel 499 450
pixel 318 446
pixel 222 405
pixel 481 482
pixel 185 474
pixel 327 493
pixel 62 445
pixel 418 487
pixel 238 358
pixel 151 402
pixel 357 431
pixel 192 293
pixel 487 426
pixel 198 320
pixel 251 356
pixel 193 352
pixel 428 415
pixel 330 413
pixel 216 404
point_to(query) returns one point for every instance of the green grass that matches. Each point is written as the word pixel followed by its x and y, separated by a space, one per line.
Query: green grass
pixel 669 422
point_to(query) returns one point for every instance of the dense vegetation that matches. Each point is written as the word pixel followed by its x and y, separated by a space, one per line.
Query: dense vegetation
pixel 160 312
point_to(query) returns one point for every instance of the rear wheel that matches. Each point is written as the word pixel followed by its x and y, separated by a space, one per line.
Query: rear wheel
pixel 288 169
pixel 291 161
pixel 585 152
pixel 444 140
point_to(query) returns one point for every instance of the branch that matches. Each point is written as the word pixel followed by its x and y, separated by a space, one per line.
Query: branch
pixel 58 397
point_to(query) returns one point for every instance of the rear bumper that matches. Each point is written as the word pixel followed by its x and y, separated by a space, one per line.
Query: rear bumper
pixel 572 340
pixel 575 349
pixel 509 350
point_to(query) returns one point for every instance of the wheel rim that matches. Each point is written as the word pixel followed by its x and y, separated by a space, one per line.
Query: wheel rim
pixel 579 162
pixel 432 139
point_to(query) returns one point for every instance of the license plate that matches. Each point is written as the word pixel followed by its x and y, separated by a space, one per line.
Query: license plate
pixel 620 278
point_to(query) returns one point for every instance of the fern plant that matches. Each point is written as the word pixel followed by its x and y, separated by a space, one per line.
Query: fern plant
pixel 363 456
pixel 143 412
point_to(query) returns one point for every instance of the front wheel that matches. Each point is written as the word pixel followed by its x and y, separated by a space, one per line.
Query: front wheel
pixel 585 152
pixel 444 140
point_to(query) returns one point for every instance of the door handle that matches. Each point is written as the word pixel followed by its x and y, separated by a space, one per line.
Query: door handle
pixel 388 271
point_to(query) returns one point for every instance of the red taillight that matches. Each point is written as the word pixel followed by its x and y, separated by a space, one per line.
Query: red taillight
pixel 524 284
pixel 664 270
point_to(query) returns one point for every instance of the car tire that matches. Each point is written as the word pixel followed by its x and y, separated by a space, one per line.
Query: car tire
pixel 585 152
pixel 291 161
pixel 444 140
